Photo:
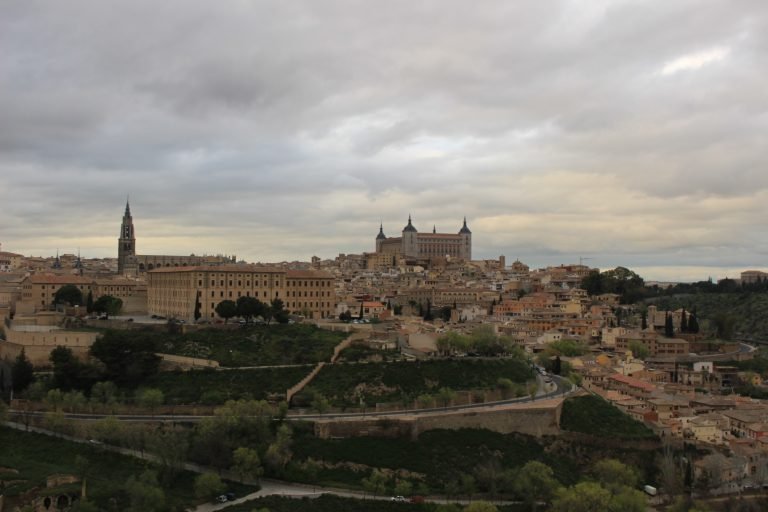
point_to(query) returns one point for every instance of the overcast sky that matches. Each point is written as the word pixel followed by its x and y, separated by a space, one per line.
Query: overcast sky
pixel 634 133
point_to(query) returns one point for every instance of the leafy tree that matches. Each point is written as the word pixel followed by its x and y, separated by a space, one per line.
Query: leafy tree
pixel 638 349
pixel 150 398
pixel 320 403
pixel 74 401
pixel 68 294
pixel 506 386
pixel 22 372
pixel 208 485
pixel 614 474
pixel 104 393
pixel 279 452
pixel 145 493
pixel 724 325
pixel 536 482
pixel 226 309
pixel 69 372
pixel 376 483
pixel 446 395
pixel 582 497
pixel 403 488
pixel 468 484
pixel 247 463
pixel 108 305
pixel 128 357
pixel 249 308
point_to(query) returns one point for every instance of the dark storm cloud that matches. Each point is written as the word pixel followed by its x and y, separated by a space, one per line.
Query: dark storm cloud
pixel 631 131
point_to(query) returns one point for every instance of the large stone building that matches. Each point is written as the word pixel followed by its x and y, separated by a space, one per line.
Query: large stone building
pixel 131 264
pixel 173 291
pixel 414 245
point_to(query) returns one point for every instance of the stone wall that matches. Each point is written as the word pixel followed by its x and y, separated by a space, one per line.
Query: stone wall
pixel 188 362
pixel 536 419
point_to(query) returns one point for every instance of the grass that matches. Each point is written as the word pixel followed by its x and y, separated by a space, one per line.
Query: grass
pixel 213 387
pixel 256 345
pixel 343 384
pixel 593 415
pixel 37 456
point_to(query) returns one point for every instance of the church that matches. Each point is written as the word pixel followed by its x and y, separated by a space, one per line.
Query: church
pixel 422 246
pixel 131 264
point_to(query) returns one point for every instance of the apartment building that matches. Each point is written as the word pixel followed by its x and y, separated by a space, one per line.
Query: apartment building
pixel 173 291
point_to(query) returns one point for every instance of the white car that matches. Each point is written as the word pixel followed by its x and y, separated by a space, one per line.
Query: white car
pixel 401 499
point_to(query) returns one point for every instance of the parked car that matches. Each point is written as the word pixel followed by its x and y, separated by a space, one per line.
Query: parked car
pixel 221 498
pixel 401 499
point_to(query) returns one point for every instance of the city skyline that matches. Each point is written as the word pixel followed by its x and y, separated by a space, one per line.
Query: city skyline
pixel 624 133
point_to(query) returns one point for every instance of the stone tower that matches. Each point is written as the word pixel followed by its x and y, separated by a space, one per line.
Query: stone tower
pixel 380 238
pixel 126 244
pixel 410 240
pixel 466 238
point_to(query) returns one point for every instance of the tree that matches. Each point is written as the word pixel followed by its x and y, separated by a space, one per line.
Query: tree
pixel 108 305
pixel 128 357
pixel 360 316
pixel 582 497
pixel 208 485
pixel 197 314
pixel 557 365
pixel 403 488
pixel 247 463
pixel 89 302
pixel 446 395
pixel 505 386
pixel 320 403
pixel 693 323
pixel 669 329
pixel 638 349
pixel 68 294
pixel 278 311
pixel 376 483
pixel 22 372
pixel 279 452
pixel 683 321
pixel 104 393
pixel 144 492
pixel 644 320
pixel 69 372
pixel 249 307
pixel 150 398
pixel 428 317
pixel 226 309
pixel 614 474
pixel 536 482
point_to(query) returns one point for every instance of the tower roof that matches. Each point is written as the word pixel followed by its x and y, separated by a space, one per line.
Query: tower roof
pixel 127 208
pixel 381 235
pixel 464 229
pixel 409 227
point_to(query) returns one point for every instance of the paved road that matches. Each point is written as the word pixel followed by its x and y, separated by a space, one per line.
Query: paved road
pixel 558 387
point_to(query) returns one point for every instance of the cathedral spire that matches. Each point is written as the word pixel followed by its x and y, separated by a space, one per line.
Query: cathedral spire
pixel 128 206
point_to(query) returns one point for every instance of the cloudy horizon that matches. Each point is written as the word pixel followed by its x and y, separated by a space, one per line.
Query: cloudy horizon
pixel 628 132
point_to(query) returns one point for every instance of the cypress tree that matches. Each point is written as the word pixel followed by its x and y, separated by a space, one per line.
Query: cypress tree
pixel 644 320
pixel 684 322
pixel 89 302
pixel 669 329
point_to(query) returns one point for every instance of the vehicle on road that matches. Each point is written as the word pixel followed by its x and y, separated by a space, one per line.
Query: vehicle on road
pixel 399 499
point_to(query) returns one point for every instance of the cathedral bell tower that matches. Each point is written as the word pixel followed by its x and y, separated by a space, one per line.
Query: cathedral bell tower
pixel 126 244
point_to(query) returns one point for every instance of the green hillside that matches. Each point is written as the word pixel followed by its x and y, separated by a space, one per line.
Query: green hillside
pixel 747 310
